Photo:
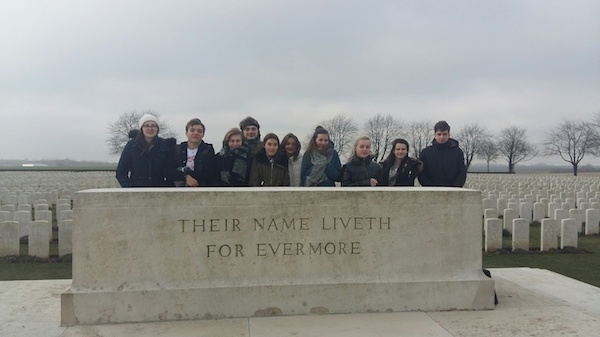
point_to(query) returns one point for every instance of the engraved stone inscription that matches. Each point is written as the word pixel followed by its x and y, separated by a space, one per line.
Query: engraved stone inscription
pixel 284 248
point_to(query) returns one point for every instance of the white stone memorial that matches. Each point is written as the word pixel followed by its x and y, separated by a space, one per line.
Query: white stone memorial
pixel 39 240
pixel 549 235
pixel 520 234
pixel 175 254
pixel 9 238
pixel 592 221
pixel 568 233
pixel 65 237
pixel 493 234
pixel 508 217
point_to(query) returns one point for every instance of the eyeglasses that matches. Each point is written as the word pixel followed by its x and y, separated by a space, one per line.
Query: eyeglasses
pixel 150 126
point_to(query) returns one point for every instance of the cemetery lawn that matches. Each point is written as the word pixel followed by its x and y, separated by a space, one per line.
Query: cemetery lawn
pixel 581 263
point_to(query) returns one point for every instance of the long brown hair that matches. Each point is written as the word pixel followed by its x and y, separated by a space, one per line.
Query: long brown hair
pixel 312 144
pixel 298 146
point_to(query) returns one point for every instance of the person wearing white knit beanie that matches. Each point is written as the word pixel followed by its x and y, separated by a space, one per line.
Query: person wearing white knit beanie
pixel 147 160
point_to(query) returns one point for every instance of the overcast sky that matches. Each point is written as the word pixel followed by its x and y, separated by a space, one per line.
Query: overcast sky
pixel 68 68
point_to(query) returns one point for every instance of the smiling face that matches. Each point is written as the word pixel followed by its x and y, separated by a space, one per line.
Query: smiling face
pixel 271 147
pixel 150 129
pixel 194 134
pixel 322 142
pixel 400 151
pixel 363 148
pixel 234 141
pixel 290 146
pixel 250 132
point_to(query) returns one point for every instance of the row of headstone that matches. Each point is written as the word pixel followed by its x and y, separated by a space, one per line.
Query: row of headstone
pixel 26 203
pixel 39 234
pixel 565 206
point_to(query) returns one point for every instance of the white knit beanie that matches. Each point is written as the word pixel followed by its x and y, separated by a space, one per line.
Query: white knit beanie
pixel 148 117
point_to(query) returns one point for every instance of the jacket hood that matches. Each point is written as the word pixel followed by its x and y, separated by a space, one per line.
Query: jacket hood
pixel 450 143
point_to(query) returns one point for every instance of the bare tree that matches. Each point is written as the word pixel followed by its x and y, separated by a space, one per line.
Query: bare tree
pixel 419 134
pixel 341 130
pixel 470 137
pixel 118 131
pixel 513 145
pixel 571 140
pixel 382 130
pixel 488 152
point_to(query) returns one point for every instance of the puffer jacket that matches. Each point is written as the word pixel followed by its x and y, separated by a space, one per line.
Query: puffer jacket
pixel 153 168
pixel 444 165
pixel 359 171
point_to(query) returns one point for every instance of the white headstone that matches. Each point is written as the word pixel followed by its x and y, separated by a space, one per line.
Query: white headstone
pixel 520 234
pixel 509 216
pixel 552 206
pixel 549 235
pixel 526 211
pixel 46 216
pixel 592 221
pixel 539 211
pixel 65 237
pixel 9 238
pixel 489 203
pixel 23 218
pixel 39 240
pixel 501 204
pixel 578 216
pixel 493 234
pixel 561 214
pixel 568 234
pixel 490 213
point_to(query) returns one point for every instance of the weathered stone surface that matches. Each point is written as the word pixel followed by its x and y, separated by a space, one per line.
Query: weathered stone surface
pixel 171 254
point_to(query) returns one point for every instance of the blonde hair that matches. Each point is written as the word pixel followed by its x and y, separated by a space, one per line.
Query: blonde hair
pixel 356 144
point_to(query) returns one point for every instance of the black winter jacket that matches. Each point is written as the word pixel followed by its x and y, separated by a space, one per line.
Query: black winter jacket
pixel 444 165
pixel 359 171
pixel 405 176
pixel 153 168
pixel 204 163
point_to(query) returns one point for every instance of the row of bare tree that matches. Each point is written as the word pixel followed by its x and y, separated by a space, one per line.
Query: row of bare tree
pixel 571 140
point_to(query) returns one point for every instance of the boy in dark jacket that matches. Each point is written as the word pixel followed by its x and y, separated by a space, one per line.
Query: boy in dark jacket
pixel 196 160
pixel 443 160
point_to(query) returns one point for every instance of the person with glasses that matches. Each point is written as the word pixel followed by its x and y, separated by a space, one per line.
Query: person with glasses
pixel 146 160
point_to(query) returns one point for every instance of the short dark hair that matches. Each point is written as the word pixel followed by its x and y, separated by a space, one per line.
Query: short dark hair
pixel 194 121
pixel 441 126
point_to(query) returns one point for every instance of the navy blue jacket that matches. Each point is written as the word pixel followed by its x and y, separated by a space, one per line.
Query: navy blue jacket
pixel 153 168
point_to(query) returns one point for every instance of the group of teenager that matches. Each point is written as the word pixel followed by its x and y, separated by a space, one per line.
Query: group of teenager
pixel 246 159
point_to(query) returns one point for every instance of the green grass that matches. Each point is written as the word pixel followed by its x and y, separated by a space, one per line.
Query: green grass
pixel 582 264
pixel 24 267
